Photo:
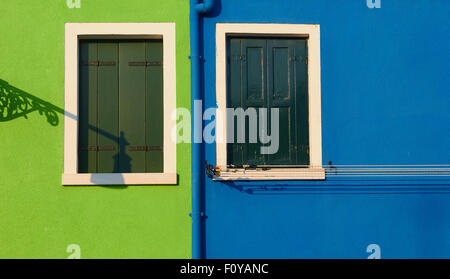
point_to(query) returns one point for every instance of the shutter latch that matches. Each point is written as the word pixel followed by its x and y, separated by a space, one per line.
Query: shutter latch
pixel 238 58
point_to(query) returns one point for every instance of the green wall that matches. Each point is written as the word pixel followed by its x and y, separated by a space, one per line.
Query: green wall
pixel 39 217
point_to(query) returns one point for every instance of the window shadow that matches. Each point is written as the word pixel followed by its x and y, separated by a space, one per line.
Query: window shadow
pixel 122 162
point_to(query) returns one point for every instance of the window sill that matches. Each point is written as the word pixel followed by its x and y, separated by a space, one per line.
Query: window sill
pixel 119 179
pixel 278 174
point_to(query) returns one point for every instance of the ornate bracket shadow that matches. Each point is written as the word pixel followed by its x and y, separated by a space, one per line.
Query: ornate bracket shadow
pixel 15 103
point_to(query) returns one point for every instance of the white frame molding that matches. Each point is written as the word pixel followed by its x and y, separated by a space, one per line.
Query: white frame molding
pixel 312 32
pixel 73 32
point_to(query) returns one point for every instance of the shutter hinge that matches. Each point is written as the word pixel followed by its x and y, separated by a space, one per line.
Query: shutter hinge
pixel 100 63
pixel 145 148
pixel 145 63
pixel 98 148
pixel 299 58
pixel 154 63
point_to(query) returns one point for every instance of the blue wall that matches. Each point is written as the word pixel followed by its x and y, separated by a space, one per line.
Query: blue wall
pixel 385 100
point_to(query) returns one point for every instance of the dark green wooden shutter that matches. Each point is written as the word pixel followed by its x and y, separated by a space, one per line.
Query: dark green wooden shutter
pixel 254 59
pixel 121 107
pixel 281 95
pixel 234 99
pixel 247 89
pixel 87 138
pixel 108 105
pixel 302 101
pixel 270 73
pixel 155 107
pixel 132 107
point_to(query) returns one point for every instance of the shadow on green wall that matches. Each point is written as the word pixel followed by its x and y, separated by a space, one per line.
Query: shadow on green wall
pixel 16 103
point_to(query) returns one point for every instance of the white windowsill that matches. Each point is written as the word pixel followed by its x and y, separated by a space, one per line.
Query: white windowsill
pixel 119 179
pixel 274 174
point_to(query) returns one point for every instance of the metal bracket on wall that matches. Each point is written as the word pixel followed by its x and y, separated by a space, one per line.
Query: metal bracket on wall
pixel 211 171
pixel 331 167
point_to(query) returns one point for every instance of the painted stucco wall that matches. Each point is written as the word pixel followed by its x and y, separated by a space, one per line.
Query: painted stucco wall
pixel 385 100
pixel 39 218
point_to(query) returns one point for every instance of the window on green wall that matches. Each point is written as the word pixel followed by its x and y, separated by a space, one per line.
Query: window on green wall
pixel 121 127
pixel 120 91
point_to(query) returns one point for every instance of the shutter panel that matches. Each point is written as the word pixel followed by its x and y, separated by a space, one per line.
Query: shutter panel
pixel 254 84
pixel 132 107
pixel 87 137
pixel 235 149
pixel 121 106
pixel 154 117
pixel 302 102
pixel 281 95
pixel 108 107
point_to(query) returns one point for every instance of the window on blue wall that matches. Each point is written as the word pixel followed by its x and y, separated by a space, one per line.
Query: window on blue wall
pixel 268 93
pixel 268 79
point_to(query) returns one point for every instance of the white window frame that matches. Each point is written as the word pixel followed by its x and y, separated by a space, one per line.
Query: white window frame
pixel 73 33
pixel 312 32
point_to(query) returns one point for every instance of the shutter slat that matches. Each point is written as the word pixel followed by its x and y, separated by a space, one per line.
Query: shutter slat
pixel 87 136
pixel 302 102
pixel 132 106
pixel 108 108
pixel 235 151
pixel 282 97
pixel 154 107
pixel 254 84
